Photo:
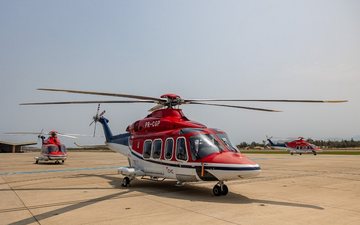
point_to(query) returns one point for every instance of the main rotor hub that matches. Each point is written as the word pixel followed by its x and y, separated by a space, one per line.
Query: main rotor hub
pixel 172 100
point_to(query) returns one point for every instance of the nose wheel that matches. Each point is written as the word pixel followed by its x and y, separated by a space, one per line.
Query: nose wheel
pixel 220 189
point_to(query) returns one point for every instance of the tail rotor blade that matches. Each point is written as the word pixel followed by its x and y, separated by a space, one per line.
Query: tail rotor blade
pixel 102 113
pixel 94 130
pixel 96 118
pixel 97 111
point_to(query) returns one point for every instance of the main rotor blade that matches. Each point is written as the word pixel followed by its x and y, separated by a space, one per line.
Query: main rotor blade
pixel 235 106
pixel 15 133
pixel 66 135
pixel 104 94
pixel 78 135
pixel 87 102
pixel 264 100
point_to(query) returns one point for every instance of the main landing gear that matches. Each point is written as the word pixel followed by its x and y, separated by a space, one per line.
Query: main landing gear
pixel 126 182
pixel 59 161
pixel 220 189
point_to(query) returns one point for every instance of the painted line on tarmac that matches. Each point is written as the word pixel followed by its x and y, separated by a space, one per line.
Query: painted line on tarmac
pixel 57 171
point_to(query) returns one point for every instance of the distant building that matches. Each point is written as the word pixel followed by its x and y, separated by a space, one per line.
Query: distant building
pixel 12 147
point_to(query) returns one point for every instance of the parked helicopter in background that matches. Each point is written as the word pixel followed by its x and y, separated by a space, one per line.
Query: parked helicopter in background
pixel 51 148
pixel 167 145
pixel 298 146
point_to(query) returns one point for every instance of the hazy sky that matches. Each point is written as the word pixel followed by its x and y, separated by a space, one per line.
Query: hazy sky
pixel 197 49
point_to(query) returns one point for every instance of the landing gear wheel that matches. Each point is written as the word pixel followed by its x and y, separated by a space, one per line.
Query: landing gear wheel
pixel 125 182
pixel 37 162
pixel 224 190
pixel 292 153
pixel 300 153
pixel 62 161
pixel 217 190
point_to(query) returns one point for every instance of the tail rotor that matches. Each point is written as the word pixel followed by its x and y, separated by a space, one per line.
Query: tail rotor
pixel 96 118
pixel 267 137
pixel 41 134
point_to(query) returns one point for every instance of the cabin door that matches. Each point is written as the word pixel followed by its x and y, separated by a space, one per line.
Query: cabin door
pixel 169 171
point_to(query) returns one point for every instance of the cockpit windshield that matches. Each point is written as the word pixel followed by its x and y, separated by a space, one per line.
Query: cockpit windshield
pixel 226 141
pixel 50 149
pixel 202 145
pixel 63 149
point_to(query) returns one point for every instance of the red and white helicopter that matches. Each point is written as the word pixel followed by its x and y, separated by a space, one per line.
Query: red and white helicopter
pixel 298 146
pixel 167 145
pixel 52 150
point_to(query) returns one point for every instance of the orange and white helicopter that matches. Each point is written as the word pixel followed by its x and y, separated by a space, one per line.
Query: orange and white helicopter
pixel 52 150
pixel 297 146
pixel 167 145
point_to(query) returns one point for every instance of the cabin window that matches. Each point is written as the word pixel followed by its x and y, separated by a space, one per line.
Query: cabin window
pixel 181 153
pixel 156 151
pixel 169 146
pixel 147 149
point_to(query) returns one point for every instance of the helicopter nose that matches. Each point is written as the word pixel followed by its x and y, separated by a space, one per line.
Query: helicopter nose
pixel 230 166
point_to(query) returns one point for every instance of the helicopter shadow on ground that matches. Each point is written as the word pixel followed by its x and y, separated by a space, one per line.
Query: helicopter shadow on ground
pixel 71 207
pixel 165 189
pixel 194 192
pixel 46 163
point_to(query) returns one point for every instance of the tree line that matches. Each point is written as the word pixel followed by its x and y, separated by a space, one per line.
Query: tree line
pixel 321 143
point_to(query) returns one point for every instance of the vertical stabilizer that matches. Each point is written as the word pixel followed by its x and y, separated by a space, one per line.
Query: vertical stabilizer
pixel 270 141
pixel 108 134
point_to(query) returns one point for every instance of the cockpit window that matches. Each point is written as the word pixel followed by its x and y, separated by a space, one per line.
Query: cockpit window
pixel 227 142
pixel 203 145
